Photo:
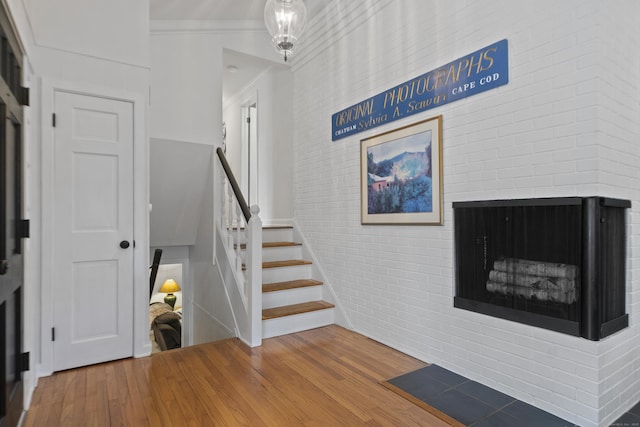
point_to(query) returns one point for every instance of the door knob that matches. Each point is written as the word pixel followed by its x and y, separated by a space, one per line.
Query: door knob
pixel 124 244
pixel 4 266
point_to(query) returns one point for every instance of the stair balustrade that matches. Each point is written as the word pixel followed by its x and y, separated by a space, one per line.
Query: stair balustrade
pixel 240 231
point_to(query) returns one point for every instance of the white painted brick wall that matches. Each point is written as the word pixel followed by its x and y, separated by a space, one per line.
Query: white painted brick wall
pixel 619 176
pixel 565 125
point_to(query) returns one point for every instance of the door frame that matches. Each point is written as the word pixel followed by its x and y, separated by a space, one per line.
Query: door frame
pixel 141 343
pixel 250 160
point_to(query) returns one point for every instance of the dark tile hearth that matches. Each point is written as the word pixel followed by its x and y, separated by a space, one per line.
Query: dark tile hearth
pixel 471 403
pixel 630 418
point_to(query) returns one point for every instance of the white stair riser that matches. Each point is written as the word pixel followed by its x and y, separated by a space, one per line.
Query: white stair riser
pixel 284 274
pixel 278 253
pixel 296 323
pixel 291 296
pixel 270 235
pixel 277 235
pixel 281 253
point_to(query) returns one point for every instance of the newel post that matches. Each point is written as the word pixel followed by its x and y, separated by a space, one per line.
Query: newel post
pixel 254 275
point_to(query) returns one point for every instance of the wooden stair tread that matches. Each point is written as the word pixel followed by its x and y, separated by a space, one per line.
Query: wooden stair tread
pixel 292 284
pixel 285 263
pixel 279 244
pixel 271 245
pixel 289 310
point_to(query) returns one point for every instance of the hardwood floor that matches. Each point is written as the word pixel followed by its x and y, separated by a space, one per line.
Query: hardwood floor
pixel 323 377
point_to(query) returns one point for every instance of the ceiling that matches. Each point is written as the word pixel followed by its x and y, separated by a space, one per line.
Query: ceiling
pixel 247 68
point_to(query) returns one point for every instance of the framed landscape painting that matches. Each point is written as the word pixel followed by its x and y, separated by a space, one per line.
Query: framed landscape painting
pixel 401 175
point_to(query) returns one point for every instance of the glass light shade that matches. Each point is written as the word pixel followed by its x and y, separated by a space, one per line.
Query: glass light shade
pixel 285 21
pixel 169 286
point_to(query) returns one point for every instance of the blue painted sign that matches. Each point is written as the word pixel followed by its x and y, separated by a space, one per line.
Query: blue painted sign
pixel 475 73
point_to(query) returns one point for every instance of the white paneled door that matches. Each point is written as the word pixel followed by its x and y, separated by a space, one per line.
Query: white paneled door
pixel 93 230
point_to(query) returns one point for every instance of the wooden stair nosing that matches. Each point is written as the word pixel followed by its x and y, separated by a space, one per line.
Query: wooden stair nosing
pixel 279 244
pixel 291 284
pixel 266 227
pixel 285 263
pixel 270 245
pixel 290 310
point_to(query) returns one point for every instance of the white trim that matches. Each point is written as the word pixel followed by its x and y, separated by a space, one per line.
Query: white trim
pixel 206 26
pixel 141 199
pixel 46 204
pixel 141 345
pixel 250 149
pixel 14 27
pixel 31 278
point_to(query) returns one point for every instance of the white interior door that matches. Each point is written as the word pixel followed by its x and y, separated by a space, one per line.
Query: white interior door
pixel 93 220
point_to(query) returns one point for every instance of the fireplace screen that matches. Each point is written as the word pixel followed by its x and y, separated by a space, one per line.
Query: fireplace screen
pixel 555 263
pixel 534 280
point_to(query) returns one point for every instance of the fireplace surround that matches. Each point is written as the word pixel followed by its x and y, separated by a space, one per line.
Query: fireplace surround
pixel 555 263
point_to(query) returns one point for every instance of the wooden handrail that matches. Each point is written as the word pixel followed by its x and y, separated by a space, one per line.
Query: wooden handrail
pixel 157 254
pixel 234 184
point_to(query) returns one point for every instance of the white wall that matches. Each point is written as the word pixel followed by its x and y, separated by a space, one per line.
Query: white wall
pixel 186 111
pixel 178 179
pixel 565 125
pixel 275 154
pixel 117 30
pixel 186 70
pixel 232 116
pixel 273 94
pixel 619 176
pixel 212 316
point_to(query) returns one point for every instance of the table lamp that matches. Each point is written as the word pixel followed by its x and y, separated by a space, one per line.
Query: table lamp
pixel 169 287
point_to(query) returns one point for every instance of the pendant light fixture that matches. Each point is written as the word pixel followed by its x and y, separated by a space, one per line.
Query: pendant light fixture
pixel 285 21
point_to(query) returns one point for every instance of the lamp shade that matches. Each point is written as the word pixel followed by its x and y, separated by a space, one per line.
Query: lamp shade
pixel 285 21
pixel 169 286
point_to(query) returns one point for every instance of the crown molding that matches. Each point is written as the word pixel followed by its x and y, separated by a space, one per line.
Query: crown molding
pixel 205 26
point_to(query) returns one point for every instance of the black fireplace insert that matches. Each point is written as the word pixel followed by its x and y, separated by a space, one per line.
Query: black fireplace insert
pixel 555 263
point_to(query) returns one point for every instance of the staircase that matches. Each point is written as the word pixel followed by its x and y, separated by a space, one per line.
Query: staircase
pixel 291 297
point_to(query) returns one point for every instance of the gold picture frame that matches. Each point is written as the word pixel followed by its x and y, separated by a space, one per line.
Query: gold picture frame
pixel 401 175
